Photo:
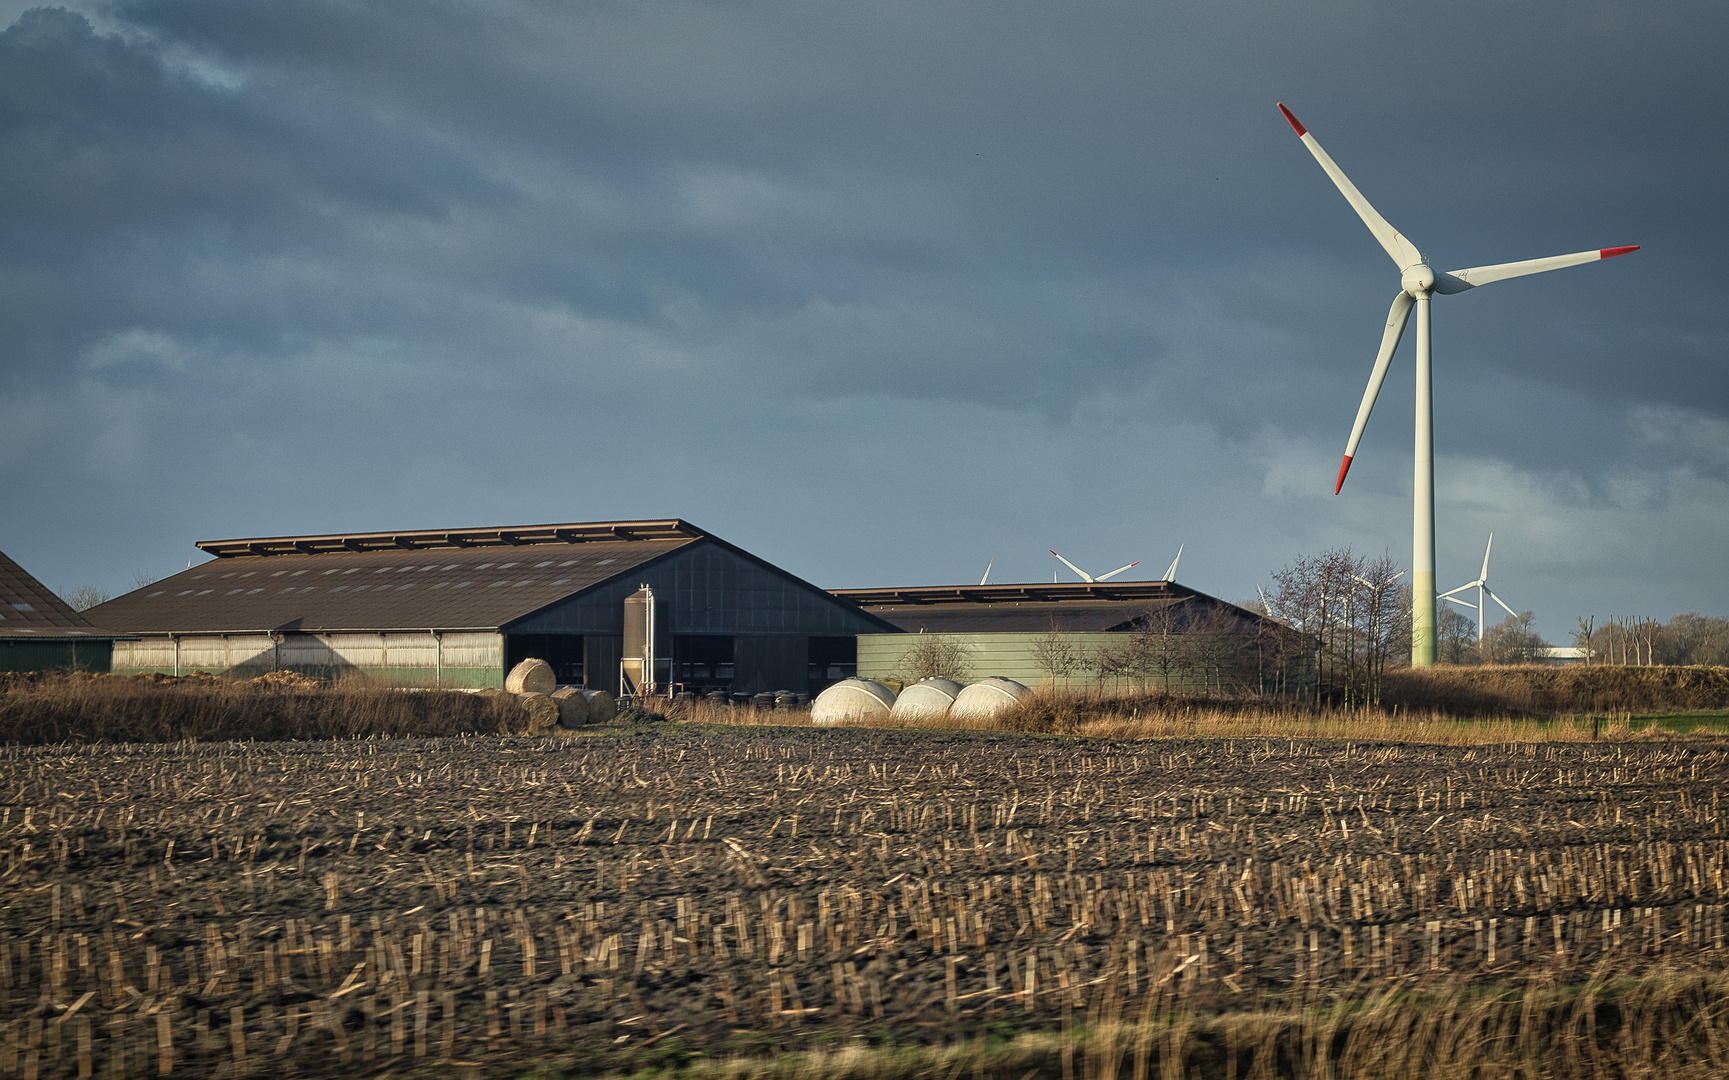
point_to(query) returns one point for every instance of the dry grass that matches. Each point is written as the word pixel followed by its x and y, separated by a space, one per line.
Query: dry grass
pixel 1543 690
pixel 1672 1025
pixel 1160 717
pixel 46 708
pixel 1460 706
pixel 706 712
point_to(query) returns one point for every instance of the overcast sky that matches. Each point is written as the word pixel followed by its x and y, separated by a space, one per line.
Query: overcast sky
pixel 876 290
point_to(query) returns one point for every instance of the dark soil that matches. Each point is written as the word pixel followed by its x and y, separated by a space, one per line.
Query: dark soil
pixel 651 895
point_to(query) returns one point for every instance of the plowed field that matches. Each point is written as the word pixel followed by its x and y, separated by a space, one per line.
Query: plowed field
pixel 660 895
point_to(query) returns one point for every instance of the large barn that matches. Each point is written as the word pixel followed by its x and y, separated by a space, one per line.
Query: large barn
pixel 40 632
pixel 457 608
pixel 1149 634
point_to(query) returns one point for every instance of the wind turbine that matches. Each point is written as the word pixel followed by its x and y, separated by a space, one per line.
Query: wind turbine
pixel 986 580
pixel 1482 586
pixel 1418 282
pixel 1090 579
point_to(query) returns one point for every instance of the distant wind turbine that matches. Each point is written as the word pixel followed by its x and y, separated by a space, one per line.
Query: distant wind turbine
pixel 986 580
pixel 1090 579
pixel 1482 586
pixel 1418 283
pixel 1171 574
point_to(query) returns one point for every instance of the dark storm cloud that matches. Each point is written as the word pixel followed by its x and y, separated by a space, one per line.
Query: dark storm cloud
pixel 341 264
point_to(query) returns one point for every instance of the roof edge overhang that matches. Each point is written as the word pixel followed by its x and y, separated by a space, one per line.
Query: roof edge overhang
pixel 1002 594
pixel 506 536
pixel 254 632
pixel 62 634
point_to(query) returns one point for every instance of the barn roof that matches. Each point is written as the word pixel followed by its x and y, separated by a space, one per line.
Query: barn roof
pixel 1028 608
pixel 29 610
pixel 447 579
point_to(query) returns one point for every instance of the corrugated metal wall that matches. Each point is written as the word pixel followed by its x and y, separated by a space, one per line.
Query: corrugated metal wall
pixel 1007 656
pixel 464 660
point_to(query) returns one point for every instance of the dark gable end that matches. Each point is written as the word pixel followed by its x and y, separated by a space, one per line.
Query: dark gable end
pixel 708 587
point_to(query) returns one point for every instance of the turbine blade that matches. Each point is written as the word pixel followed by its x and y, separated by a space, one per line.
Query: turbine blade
pixel 1484 576
pixel 1118 570
pixel 1460 589
pixel 986 580
pixel 1403 252
pixel 1397 316
pixel 1084 575
pixel 1502 602
pixel 1171 572
pixel 1460 280
pixel 1461 603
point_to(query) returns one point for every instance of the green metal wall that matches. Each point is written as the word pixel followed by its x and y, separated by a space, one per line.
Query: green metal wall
pixel 1007 656
pixel 18 655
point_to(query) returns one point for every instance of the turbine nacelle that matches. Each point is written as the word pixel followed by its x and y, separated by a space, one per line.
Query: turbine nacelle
pixel 1419 281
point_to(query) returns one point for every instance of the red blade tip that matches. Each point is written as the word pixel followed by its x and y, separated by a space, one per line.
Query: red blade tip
pixel 1297 125
pixel 1610 253
pixel 1343 469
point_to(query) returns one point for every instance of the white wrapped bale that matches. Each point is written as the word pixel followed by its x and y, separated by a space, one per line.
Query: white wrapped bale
pixel 927 699
pixel 987 699
pixel 531 677
pixel 852 701
pixel 542 713
pixel 572 706
pixel 601 706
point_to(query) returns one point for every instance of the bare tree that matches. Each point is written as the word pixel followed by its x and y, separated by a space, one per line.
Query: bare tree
pixel 85 597
pixel 1159 648
pixel 1582 636
pixel 1514 641
pixel 1455 636
pixel 1355 613
pixel 934 656
pixel 1057 655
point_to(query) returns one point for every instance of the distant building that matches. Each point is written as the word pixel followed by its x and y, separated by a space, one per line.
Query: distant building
pixel 40 632
pixel 459 607
pixel 1562 654
pixel 1141 634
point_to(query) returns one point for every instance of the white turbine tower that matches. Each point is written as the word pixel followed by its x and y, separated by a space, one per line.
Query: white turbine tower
pixel 1482 586
pixel 1090 579
pixel 1418 282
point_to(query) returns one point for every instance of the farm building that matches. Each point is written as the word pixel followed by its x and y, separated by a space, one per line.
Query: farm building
pixel 40 632
pixel 457 608
pixel 1152 634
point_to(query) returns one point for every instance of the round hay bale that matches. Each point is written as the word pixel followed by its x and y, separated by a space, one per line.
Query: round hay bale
pixel 851 701
pixel 987 699
pixel 572 706
pixel 926 699
pixel 601 706
pixel 542 713
pixel 531 677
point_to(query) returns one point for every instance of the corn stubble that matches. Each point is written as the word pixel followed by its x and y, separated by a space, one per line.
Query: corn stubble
pixel 756 901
